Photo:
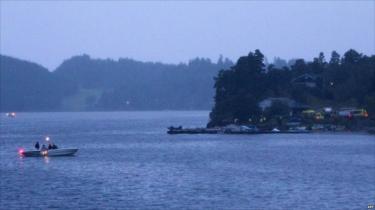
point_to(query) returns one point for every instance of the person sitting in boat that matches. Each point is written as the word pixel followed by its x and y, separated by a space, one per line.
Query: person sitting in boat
pixel 54 146
pixel 49 146
pixel 44 148
pixel 37 145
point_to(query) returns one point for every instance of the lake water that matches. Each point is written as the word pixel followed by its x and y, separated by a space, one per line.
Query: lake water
pixel 127 161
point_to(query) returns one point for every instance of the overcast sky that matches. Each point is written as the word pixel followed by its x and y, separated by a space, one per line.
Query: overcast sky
pixel 49 32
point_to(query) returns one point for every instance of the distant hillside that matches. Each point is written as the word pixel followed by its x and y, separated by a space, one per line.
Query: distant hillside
pixel 82 83
pixel 127 84
pixel 26 86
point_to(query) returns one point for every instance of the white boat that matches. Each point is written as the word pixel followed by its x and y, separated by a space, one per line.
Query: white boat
pixel 11 114
pixel 49 153
pixel 275 130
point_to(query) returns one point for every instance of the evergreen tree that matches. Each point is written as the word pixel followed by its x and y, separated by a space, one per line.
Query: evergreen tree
pixel 238 91
pixel 349 81
pixel 335 58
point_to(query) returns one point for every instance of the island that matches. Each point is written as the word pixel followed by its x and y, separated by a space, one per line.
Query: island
pixel 252 97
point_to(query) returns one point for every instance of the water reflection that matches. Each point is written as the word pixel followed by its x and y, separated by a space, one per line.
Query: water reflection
pixel 46 159
pixel 21 161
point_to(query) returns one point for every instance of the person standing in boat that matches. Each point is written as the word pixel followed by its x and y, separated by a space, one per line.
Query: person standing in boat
pixel 44 148
pixel 37 145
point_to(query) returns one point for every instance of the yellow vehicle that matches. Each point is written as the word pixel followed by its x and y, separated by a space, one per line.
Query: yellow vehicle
pixel 308 112
pixel 353 113
pixel 319 116
pixel 359 113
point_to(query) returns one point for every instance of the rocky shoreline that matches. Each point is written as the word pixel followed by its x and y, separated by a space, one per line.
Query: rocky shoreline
pixel 224 130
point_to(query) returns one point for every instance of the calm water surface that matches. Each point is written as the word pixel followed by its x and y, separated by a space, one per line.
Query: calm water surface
pixel 127 161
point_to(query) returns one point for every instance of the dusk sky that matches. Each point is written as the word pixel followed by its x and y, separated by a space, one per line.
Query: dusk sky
pixel 172 32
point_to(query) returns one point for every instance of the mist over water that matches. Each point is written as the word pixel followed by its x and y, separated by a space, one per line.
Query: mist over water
pixel 126 160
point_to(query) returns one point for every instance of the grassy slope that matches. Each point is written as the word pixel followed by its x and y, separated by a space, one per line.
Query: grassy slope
pixel 81 100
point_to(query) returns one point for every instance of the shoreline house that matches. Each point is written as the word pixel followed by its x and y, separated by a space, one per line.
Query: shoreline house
pixel 295 107
pixel 307 80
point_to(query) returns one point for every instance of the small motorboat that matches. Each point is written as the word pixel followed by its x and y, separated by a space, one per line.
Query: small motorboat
pixel 47 153
pixel 11 114
pixel 275 130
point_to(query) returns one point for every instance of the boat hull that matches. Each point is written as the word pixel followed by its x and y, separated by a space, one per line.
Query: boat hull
pixel 49 153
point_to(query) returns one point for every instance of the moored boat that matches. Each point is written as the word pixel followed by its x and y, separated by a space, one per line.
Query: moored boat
pixel 11 114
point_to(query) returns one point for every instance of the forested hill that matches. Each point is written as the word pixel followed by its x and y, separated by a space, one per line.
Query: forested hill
pixel 26 86
pixel 82 83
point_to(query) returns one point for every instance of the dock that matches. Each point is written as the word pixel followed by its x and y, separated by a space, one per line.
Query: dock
pixel 180 130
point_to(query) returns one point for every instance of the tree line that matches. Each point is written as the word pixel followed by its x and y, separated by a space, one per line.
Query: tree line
pixel 82 83
pixel 347 80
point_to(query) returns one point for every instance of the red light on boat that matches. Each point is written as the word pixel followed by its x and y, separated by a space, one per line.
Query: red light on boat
pixel 21 151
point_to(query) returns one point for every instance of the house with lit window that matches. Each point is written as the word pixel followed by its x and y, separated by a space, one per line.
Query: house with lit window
pixel 307 80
